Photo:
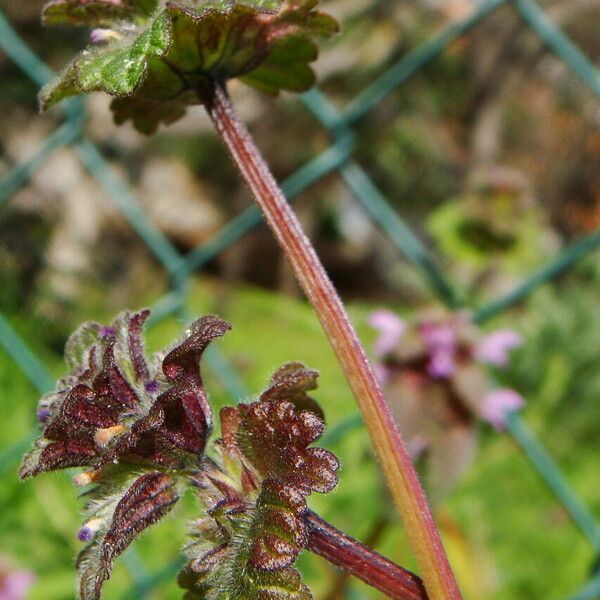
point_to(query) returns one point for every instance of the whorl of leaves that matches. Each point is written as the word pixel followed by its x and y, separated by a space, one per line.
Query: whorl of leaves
pixel 255 493
pixel 161 56
pixel 137 426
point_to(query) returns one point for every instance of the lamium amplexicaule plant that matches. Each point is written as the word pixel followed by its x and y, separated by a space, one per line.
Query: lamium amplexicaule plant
pixel 141 429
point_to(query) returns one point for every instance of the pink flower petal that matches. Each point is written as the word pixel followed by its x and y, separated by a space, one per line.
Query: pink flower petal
pixel 493 349
pixel 391 329
pixel 381 372
pixel 417 446
pixel 441 364
pixel 440 339
pixel 439 335
pixel 497 404
pixel 15 585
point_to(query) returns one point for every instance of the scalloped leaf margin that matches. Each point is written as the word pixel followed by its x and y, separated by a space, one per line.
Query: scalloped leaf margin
pixel 255 493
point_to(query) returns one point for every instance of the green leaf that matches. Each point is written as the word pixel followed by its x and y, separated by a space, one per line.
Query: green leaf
pixel 158 62
pixel 286 67
pixel 117 69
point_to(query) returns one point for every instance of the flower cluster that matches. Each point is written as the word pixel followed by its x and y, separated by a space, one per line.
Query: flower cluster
pixel 436 381
pixel 140 429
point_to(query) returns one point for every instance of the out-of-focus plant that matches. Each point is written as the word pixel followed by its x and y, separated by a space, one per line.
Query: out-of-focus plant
pixel 495 231
pixel 157 57
pixel 140 428
pixel 435 374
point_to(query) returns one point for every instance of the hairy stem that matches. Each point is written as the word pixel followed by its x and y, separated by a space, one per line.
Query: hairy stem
pixel 396 463
pixel 362 562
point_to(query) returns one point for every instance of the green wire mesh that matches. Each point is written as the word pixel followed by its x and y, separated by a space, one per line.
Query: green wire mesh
pixel 336 158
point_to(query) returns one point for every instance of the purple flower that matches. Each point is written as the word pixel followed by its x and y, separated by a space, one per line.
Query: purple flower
pixel 14 585
pixel 417 446
pixel 498 403
pixel 42 414
pixel 493 349
pixel 439 335
pixel 151 387
pixel 391 329
pixel 107 332
pixel 441 344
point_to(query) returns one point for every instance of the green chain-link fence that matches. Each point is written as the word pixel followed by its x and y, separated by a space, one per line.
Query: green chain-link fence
pixel 338 157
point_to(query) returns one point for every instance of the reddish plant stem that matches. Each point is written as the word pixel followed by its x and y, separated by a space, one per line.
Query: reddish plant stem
pixel 362 562
pixel 396 463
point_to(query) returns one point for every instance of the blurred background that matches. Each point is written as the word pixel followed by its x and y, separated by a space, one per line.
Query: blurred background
pixel 489 152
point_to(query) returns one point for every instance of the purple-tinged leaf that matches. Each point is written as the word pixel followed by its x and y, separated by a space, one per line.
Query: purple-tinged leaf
pixel 114 407
pixel 273 437
pixel 115 523
pixel 138 427
pixel 136 347
pixel 50 456
pixel 255 495
pixel 188 417
pixel 292 382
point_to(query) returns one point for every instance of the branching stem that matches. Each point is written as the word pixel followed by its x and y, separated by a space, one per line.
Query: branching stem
pixel 362 562
pixel 396 463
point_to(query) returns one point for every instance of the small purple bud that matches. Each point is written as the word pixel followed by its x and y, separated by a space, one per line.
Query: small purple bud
pixel 85 534
pixel 42 414
pixel 152 387
pixel 107 332
pixel 391 328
